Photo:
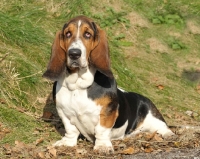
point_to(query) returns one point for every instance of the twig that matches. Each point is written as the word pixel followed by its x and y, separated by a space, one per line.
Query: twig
pixel 129 31
pixel 154 141
pixel 52 120
pixel 3 58
pixel 101 156
pixel 184 127
pixel 29 75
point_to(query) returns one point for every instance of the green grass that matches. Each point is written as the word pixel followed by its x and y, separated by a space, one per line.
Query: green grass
pixel 156 49
pixel 22 125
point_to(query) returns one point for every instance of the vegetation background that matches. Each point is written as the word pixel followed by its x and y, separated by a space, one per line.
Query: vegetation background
pixel 154 46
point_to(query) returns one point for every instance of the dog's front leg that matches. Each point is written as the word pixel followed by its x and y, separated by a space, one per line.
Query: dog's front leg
pixel 102 142
pixel 72 133
pixel 103 132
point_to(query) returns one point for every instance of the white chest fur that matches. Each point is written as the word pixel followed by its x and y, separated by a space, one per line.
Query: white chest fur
pixel 78 80
pixel 73 102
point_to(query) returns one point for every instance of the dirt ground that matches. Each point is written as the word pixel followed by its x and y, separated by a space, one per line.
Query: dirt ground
pixel 185 144
pixel 173 154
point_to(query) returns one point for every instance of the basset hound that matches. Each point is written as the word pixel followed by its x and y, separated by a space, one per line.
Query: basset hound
pixel 86 94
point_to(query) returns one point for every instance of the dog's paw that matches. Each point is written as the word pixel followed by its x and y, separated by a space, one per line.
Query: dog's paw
pixel 103 149
pixel 103 146
pixel 168 134
pixel 65 142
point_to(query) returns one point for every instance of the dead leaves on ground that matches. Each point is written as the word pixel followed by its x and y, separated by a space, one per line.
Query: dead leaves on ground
pixel 3 131
pixel 141 143
pixel 28 151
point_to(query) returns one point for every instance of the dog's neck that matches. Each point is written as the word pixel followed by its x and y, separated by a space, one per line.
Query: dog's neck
pixel 79 79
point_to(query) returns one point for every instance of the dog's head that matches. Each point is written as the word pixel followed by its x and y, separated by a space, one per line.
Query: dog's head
pixel 80 44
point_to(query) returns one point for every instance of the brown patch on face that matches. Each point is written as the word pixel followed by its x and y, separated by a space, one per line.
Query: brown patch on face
pixel 107 115
pixel 70 34
pixel 89 42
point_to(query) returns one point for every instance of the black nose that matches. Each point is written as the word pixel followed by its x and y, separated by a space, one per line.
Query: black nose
pixel 74 54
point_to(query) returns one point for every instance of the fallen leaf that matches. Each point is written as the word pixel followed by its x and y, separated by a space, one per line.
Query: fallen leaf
pixel 19 144
pixel 150 136
pixel 2 101
pixel 168 115
pixel 7 149
pixel 41 155
pixel 41 100
pixel 53 151
pixel 177 144
pixel 38 141
pixel 160 87
pixel 148 150
pixel 36 132
pixel 81 151
pixel 189 112
pixel 122 146
pixel 128 151
pixel 158 137
pixel 21 110
pixel 155 79
pixel 198 87
pixel 47 115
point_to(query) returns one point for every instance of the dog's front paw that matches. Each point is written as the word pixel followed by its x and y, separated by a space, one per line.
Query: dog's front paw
pixel 103 149
pixel 66 142
pixel 166 133
pixel 103 146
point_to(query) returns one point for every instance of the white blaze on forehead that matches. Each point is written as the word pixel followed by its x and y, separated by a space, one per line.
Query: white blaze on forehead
pixel 78 44
pixel 78 31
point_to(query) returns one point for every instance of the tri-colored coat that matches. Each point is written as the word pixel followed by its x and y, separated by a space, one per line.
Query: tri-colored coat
pixel 87 98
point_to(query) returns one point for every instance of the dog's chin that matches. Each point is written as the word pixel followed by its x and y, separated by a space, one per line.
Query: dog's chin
pixel 76 65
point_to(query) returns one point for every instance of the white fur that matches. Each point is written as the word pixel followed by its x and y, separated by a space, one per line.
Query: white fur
pixel 78 32
pixel 152 124
pixel 102 136
pixel 78 44
pixel 118 133
pixel 80 114
pixel 78 80
pixel 121 89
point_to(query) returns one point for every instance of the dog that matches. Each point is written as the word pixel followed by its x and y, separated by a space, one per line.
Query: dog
pixel 87 98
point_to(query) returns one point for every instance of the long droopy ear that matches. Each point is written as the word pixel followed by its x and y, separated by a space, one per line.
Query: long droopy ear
pixel 100 57
pixel 57 61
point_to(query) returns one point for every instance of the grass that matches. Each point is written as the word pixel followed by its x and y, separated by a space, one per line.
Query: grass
pixel 151 43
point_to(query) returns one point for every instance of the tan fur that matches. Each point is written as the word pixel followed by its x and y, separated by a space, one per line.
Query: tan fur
pixel 107 119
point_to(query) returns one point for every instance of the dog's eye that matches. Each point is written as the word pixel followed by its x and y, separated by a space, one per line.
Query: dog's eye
pixel 87 35
pixel 68 34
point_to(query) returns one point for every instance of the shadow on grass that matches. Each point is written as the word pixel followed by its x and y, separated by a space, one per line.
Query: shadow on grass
pixel 50 115
pixel 191 75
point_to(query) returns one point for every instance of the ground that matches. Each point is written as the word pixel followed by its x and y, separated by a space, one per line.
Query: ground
pixel 185 144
